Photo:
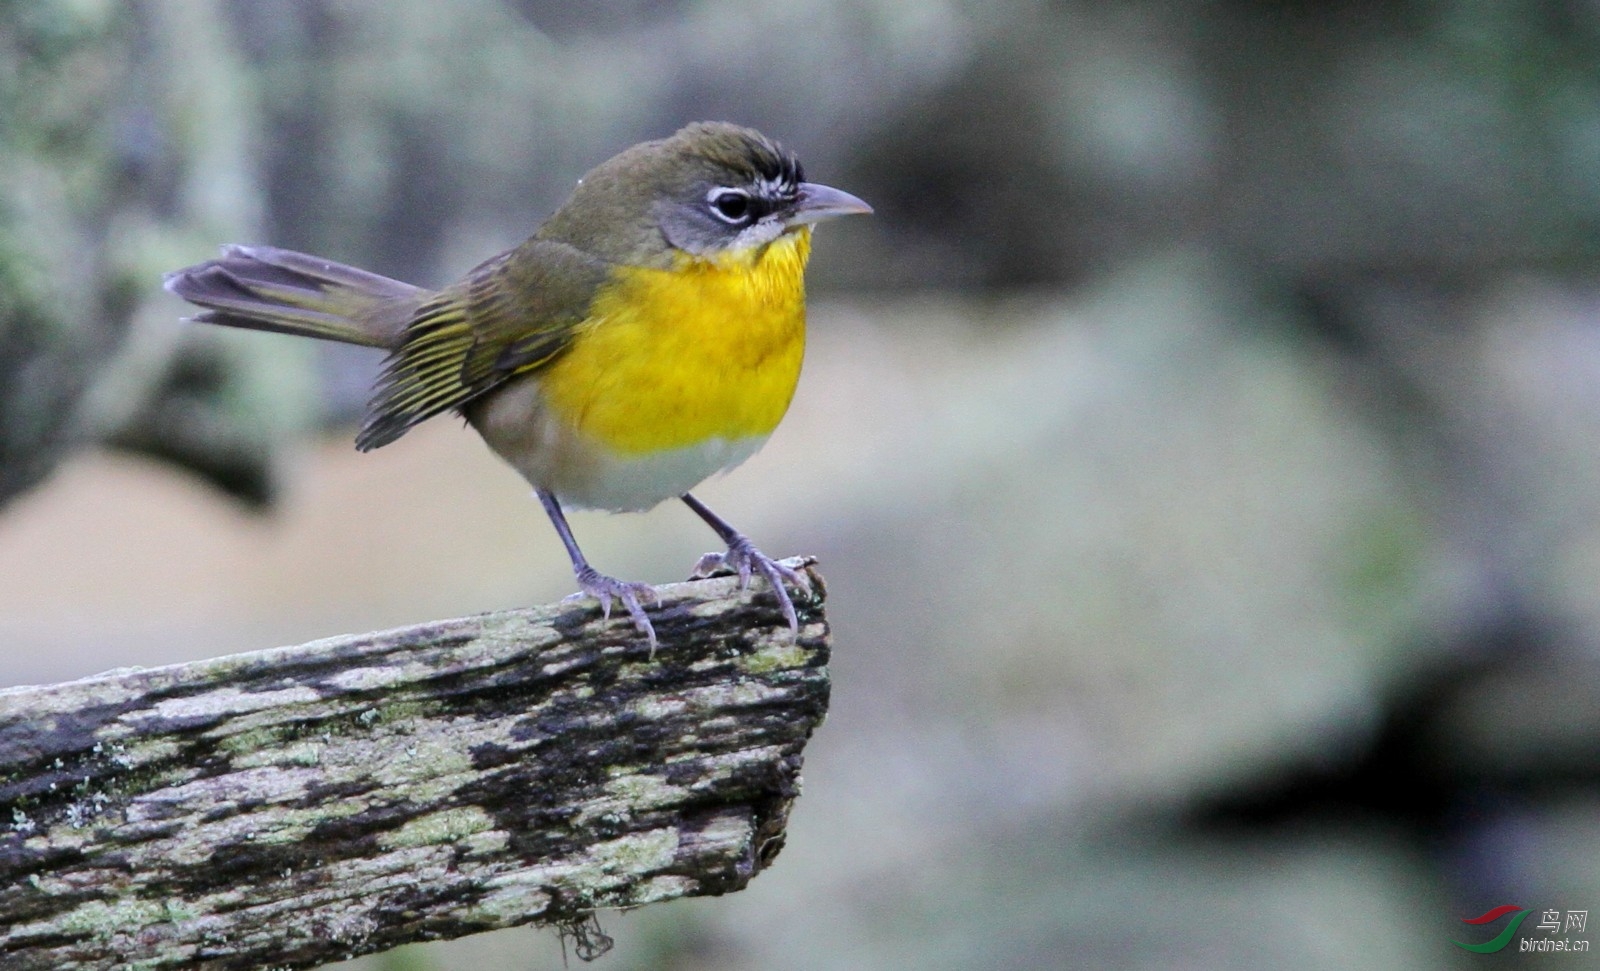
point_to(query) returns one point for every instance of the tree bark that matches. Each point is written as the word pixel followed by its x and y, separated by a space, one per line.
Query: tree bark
pixel 295 806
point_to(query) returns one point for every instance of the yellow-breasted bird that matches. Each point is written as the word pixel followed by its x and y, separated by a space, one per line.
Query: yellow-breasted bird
pixel 647 336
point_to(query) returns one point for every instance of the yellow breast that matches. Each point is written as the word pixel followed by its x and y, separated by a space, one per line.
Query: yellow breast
pixel 673 358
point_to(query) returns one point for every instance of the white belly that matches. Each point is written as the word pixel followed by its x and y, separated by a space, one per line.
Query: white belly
pixel 583 474
pixel 628 483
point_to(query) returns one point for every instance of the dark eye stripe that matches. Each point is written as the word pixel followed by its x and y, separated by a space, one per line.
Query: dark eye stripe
pixel 737 207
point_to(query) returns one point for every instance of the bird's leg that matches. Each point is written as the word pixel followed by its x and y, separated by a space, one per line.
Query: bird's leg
pixel 593 583
pixel 743 556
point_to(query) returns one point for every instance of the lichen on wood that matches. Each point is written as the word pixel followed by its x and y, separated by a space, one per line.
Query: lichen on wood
pixel 300 805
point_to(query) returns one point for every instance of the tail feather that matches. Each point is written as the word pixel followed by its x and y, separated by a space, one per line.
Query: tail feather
pixel 265 288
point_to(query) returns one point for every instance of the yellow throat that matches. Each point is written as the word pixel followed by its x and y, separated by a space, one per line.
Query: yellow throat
pixel 710 348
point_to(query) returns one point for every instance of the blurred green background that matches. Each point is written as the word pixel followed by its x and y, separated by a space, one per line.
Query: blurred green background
pixel 1202 442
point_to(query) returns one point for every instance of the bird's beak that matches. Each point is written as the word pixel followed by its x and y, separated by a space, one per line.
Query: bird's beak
pixel 818 202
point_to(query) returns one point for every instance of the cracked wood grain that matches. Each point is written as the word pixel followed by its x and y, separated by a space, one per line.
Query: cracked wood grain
pixel 291 807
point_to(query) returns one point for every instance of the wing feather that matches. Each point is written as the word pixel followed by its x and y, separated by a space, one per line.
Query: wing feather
pixel 511 315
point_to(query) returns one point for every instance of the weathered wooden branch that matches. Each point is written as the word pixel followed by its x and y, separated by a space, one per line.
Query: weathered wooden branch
pixel 295 806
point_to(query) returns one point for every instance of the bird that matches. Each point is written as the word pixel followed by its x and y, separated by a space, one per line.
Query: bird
pixel 647 336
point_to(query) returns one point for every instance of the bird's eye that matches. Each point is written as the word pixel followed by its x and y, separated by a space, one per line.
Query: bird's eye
pixel 730 205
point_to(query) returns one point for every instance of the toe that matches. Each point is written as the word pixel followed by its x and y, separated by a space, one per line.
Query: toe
pixel 776 573
pixel 630 599
pixel 707 565
pixel 797 578
pixel 606 589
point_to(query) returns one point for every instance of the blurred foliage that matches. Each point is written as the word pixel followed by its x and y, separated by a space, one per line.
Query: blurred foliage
pixel 99 181
pixel 59 67
pixel 1429 137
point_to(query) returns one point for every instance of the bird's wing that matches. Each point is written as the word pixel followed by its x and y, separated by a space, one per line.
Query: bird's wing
pixel 512 314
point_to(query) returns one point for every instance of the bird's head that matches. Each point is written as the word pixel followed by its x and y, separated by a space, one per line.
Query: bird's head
pixel 710 189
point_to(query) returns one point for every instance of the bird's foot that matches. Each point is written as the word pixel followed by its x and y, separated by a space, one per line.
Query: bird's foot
pixel 743 557
pixel 593 583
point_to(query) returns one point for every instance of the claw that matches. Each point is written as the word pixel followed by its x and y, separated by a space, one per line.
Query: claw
pixel 592 583
pixel 743 557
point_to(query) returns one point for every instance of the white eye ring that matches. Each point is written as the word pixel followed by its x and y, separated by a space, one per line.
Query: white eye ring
pixel 732 206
